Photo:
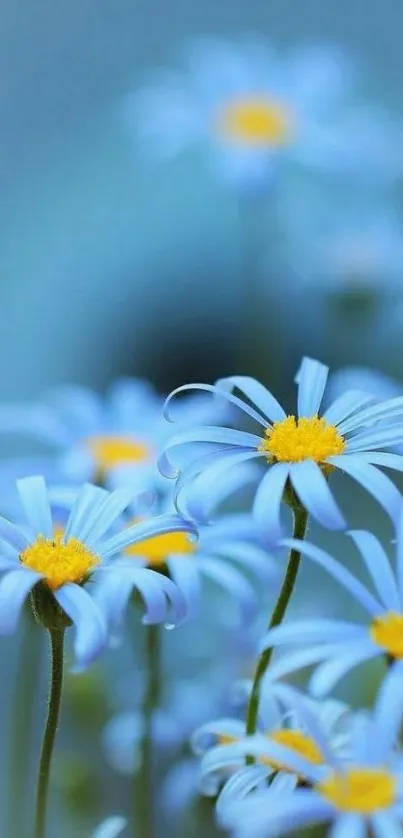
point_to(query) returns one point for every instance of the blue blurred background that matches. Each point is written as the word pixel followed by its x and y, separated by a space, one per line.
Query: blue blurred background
pixel 113 263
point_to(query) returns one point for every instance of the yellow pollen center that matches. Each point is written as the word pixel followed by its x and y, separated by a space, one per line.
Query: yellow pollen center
pixel 293 440
pixel 60 563
pixel 387 632
pixel 256 121
pixel 112 451
pixel 295 740
pixel 360 790
pixel 157 549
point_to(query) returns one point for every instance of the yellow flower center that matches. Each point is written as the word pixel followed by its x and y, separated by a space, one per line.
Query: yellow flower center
pixel 360 790
pixel 295 740
pixel 112 451
pixel 157 549
pixel 293 440
pixel 256 121
pixel 60 563
pixel 387 632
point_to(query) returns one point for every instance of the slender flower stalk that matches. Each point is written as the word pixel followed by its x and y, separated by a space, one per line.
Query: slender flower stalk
pixel 144 778
pixel 56 636
pixel 280 608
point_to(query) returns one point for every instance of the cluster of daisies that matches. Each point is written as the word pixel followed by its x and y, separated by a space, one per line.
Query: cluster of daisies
pixel 80 551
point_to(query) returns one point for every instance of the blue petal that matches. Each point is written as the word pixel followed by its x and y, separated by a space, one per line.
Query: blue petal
pixel 329 674
pixel 384 411
pixel 316 630
pixel 376 483
pixel 394 461
pixel 313 491
pixel 388 715
pixel 349 826
pixel 265 402
pixel 13 535
pixel 343 576
pixel 399 550
pixel 205 434
pixel 91 632
pixel 251 558
pixel 111 828
pixel 84 511
pixel 80 409
pixel 112 592
pixel 109 511
pixel 201 486
pixel 311 378
pixel 233 582
pixel 345 405
pixel 379 568
pixel 159 525
pixel 240 785
pixel 386 825
pixel 208 734
pixel 217 391
pixel 377 438
pixel 298 660
pixel 267 504
pixel 185 574
pixel 14 589
pixel 34 498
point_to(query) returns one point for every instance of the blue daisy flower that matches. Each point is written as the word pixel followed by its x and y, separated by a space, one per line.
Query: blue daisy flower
pixel 339 645
pixel 356 795
pixel 251 107
pixel 299 451
pixel 35 557
pixel 104 439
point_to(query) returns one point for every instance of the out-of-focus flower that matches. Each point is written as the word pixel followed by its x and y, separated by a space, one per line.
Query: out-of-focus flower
pixel 251 107
pixel 227 553
pixel 301 451
pixel 110 828
pixel 352 251
pixel 338 644
pixel 223 743
pixel 359 794
pixel 111 439
pixel 56 567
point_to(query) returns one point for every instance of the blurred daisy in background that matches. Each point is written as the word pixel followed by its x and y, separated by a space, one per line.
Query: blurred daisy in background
pixel 110 828
pixel 111 439
pixel 251 107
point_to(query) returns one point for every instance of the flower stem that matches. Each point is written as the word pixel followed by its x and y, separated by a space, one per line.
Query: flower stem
pixel 56 637
pixel 280 608
pixel 144 804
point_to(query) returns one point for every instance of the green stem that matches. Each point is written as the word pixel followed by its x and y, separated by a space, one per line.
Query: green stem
pixel 56 637
pixel 280 608
pixel 144 779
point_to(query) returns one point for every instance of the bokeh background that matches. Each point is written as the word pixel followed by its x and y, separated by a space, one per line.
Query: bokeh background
pixel 114 264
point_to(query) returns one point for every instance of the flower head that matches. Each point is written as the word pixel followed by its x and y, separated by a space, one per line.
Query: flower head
pixel 251 107
pixel 299 450
pixel 227 554
pixel 56 566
